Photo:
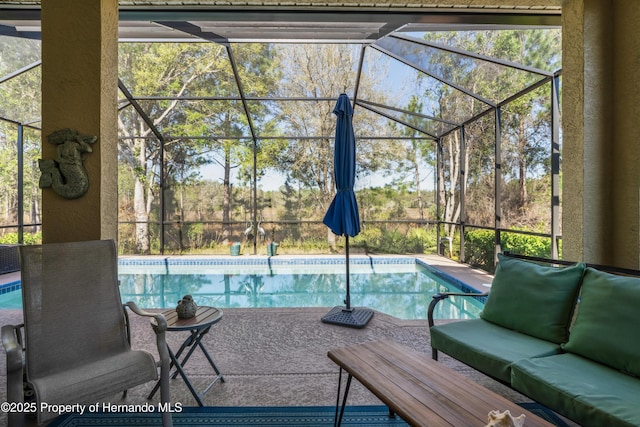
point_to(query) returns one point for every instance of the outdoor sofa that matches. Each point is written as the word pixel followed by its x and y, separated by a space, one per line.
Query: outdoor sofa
pixel 567 337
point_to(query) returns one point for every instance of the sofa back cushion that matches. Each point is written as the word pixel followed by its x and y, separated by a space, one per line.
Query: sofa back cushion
pixel 607 322
pixel 533 299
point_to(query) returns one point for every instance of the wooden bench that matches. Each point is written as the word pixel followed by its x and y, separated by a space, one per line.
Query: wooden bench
pixel 421 391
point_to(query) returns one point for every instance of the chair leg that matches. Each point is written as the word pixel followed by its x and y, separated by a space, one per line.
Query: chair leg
pixel 165 391
pixel 16 419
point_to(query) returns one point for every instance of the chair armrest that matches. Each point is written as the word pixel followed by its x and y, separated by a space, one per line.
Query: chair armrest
pixel 160 328
pixel 160 321
pixel 12 343
pixel 444 295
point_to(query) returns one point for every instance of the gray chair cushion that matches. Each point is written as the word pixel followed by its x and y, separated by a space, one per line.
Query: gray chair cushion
pixel 87 383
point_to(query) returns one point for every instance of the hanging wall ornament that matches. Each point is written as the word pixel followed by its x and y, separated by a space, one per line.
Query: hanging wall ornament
pixel 66 174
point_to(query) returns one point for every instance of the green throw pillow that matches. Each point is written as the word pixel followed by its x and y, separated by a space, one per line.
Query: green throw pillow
pixel 606 324
pixel 537 300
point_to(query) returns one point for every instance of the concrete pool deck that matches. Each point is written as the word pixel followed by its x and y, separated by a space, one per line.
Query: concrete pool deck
pixel 275 357
pixel 476 278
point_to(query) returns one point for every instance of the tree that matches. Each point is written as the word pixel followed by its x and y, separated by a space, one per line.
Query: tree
pixel 183 70
pixel 415 154
pixel 322 71
pixel 538 48
pixel 20 103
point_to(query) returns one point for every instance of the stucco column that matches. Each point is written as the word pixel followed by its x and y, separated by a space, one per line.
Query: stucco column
pixel 601 174
pixel 625 244
pixel 79 91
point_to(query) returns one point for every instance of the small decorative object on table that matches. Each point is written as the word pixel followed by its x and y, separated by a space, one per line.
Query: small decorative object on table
pixel 504 419
pixel 187 307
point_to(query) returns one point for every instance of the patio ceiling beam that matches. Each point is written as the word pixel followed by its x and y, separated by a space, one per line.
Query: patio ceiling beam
pixel 440 79
pixel 297 138
pixel 367 23
pixel 470 54
pixel 194 30
pixel 267 25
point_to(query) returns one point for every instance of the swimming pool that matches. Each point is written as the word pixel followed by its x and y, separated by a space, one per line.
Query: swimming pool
pixel 398 286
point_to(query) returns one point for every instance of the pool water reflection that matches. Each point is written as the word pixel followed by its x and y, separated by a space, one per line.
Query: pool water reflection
pixel 402 290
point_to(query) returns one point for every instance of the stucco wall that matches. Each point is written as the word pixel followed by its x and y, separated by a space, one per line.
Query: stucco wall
pixel 79 91
pixel 601 205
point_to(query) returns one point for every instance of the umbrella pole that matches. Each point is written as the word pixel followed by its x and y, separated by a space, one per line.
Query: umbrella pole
pixel 357 317
pixel 347 300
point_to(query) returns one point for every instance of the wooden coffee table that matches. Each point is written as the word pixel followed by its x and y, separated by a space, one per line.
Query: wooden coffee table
pixel 420 390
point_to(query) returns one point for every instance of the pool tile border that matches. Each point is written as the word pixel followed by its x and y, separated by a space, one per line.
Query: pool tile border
pixel 269 261
pixel 10 287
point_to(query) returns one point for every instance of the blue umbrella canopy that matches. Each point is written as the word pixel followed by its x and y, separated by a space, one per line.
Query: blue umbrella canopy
pixel 342 217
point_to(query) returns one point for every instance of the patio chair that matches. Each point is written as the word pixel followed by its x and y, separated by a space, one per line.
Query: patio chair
pixel 74 346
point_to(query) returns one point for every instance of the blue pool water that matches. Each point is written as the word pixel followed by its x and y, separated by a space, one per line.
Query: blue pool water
pixel 399 286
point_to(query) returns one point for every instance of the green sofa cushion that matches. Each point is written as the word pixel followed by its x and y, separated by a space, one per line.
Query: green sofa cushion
pixel 606 324
pixel 587 392
pixel 487 347
pixel 533 299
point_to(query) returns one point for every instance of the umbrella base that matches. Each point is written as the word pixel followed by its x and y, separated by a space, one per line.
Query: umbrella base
pixel 356 317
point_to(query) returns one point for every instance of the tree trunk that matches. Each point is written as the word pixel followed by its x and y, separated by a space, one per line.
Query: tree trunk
pixel 416 161
pixel 35 208
pixel 226 201
pixel 522 166
pixel 140 204
pixel 331 239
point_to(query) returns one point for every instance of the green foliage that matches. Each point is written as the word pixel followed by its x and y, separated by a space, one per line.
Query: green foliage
pixel 29 238
pixel 307 245
pixel 526 244
pixel 394 241
pixel 480 246
pixel 195 232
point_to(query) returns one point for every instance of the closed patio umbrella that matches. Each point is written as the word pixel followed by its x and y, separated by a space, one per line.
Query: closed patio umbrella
pixel 342 216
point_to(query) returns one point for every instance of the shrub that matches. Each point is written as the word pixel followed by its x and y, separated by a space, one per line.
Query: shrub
pixel 29 238
pixel 480 246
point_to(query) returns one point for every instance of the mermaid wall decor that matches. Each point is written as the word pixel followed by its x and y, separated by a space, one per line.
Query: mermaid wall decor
pixel 66 174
